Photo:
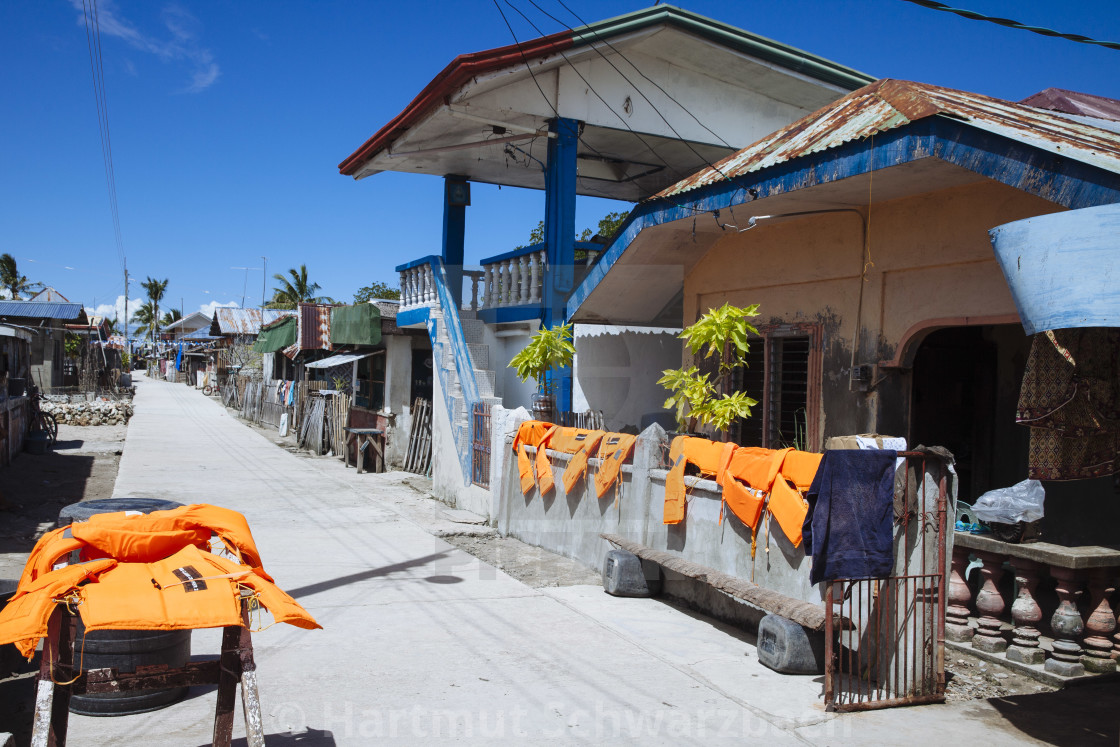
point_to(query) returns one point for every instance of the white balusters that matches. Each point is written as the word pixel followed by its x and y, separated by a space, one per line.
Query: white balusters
pixel 514 280
pixel 534 278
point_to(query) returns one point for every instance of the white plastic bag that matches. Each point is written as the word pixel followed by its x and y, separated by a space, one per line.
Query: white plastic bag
pixel 1020 502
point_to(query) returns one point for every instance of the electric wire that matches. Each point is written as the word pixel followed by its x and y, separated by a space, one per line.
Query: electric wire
pixel 1009 23
pixel 676 172
pixel 91 18
pixel 653 106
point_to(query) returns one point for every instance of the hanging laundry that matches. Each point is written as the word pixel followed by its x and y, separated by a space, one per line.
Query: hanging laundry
pixel 529 433
pixel 1071 400
pixel 614 449
pixel 545 480
pixel 848 527
pixel 711 458
pixel 587 442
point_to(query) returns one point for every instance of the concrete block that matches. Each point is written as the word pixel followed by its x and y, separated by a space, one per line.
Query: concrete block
pixel 624 575
pixel 786 647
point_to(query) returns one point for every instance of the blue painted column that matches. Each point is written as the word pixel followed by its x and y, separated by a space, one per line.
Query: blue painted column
pixel 456 199
pixel 560 236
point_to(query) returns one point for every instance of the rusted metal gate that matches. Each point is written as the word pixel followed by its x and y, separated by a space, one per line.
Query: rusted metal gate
pixel 885 638
pixel 480 444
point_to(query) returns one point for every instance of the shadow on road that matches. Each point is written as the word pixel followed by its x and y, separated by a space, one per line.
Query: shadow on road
pixel 353 578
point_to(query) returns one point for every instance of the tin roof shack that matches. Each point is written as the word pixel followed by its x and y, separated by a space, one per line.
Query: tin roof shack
pixel 237 330
pixel 382 368
pixel 193 322
pixel 15 368
pixel 48 345
pixel 90 364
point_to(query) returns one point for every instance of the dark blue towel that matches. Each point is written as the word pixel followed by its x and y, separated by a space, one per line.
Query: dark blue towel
pixel 849 527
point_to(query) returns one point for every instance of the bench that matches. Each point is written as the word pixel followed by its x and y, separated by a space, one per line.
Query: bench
pixel 365 438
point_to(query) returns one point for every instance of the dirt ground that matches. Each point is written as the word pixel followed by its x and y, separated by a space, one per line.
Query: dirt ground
pixel 33 488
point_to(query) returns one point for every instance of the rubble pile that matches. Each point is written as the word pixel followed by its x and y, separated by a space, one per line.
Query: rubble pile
pixel 97 412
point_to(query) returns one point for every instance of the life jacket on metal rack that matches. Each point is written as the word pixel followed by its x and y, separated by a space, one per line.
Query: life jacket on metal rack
pixel 614 449
pixel 529 433
pixel 145 572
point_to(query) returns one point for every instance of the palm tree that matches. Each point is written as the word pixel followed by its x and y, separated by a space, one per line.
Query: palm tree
pixel 295 289
pixel 146 318
pixel 11 280
pixel 171 317
pixel 154 289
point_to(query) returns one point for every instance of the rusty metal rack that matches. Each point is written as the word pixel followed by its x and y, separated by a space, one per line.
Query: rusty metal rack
pixel 58 681
pixel 885 638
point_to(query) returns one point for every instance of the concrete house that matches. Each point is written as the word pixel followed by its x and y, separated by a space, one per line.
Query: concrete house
pixel 603 110
pixel 48 321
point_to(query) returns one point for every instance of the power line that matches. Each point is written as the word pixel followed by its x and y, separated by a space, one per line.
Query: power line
pixel 974 16
pixel 90 16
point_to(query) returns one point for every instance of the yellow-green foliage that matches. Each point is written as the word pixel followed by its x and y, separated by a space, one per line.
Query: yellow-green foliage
pixel 695 400
pixel 548 349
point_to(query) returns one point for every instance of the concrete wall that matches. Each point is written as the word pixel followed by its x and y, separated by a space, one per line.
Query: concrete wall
pixel 398 388
pixel 448 482
pixel 616 371
pixel 503 344
pixel 932 260
pixel 569 524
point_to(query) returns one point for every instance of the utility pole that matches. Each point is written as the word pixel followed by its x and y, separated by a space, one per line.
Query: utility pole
pixel 264 280
pixel 127 336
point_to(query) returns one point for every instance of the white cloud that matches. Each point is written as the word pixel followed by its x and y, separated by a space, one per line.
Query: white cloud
pixel 208 308
pixel 115 309
pixel 183 45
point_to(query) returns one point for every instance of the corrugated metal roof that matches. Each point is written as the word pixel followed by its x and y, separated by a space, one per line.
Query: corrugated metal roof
pixel 314 326
pixel 40 310
pixel 49 295
pixel 1075 102
pixel 887 104
pixel 229 321
pixel 338 360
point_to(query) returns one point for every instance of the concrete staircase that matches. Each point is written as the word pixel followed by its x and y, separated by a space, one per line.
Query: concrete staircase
pixel 478 353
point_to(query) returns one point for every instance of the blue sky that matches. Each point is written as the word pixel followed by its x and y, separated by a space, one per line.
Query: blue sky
pixel 228 121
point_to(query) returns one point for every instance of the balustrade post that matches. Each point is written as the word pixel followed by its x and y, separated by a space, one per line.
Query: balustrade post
pixel 486 275
pixel 507 280
pixel 404 293
pixel 474 291
pixel 495 285
pixel 1026 614
pixel 514 281
pixel 1067 626
pixel 1100 624
pixel 524 285
pixel 990 605
pixel 410 285
pixel 534 278
pixel 956 613
pixel 430 284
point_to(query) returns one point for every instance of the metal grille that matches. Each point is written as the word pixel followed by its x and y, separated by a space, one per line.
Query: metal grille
pixel 480 444
pixel 885 638
pixel 588 420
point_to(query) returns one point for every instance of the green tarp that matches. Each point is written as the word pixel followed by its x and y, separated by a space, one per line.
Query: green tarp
pixel 359 324
pixel 277 336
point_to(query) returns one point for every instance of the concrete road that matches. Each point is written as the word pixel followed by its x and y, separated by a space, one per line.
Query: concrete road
pixel 424 643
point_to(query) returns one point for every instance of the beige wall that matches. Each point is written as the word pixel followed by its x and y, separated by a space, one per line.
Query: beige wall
pixel 931 260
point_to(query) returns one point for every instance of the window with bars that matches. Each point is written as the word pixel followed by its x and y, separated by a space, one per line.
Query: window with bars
pixel 781 374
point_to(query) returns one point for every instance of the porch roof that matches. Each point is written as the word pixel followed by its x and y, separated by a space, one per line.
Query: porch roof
pixel 915 138
pixel 485 116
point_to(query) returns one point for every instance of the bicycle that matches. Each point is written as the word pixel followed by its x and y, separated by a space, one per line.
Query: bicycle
pixel 41 422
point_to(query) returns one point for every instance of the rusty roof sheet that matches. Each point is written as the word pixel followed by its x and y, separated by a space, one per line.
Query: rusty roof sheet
pixel 887 104
pixel 314 326
pixel 231 321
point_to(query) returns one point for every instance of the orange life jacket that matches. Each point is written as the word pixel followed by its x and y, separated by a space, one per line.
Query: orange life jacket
pixel 710 457
pixel 529 433
pixel 545 480
pixel 166 581
pixel 614 449
pixel 586 443
pixel 674 483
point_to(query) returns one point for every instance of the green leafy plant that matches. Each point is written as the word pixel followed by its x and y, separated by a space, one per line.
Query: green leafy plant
pixel 696 399
pixel 547 349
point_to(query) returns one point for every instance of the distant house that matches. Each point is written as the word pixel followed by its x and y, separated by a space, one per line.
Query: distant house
pixel 188 324
pixel 237 328
pixel 48 344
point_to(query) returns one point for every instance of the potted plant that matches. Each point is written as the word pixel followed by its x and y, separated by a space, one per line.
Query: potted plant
pixel 698 401
pixel 548 349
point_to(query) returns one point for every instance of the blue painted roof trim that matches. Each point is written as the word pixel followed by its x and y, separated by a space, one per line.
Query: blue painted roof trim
pixel 1065 182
